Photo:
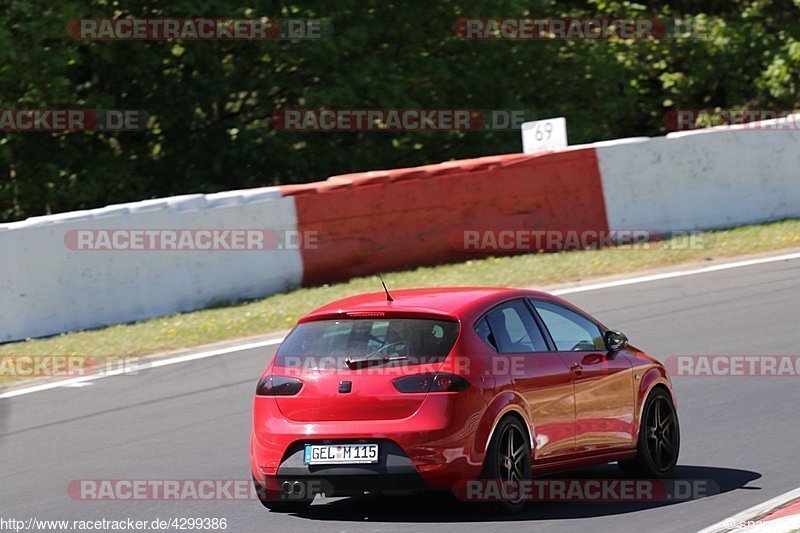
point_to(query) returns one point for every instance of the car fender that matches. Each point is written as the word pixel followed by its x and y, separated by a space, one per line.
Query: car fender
pixel 654 376
pixel 506 402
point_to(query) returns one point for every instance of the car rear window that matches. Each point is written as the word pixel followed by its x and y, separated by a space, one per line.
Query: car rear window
pixel 420 340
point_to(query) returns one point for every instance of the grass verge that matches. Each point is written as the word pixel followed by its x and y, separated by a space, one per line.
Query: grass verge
pixel 280 311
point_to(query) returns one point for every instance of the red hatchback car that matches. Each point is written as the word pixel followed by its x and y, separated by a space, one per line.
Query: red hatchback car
pixel 427 388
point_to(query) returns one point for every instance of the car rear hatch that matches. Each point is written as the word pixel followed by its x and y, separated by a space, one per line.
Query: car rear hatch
pixel 347 365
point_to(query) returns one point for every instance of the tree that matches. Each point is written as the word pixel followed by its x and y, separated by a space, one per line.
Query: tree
pixel 210 102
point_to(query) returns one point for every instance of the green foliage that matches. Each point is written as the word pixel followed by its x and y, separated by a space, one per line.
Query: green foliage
pixel 210 102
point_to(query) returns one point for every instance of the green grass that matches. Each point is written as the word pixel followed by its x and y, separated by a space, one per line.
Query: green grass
pixel 280 311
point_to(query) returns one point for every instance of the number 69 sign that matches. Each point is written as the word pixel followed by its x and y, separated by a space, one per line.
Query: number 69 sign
pixel 544 135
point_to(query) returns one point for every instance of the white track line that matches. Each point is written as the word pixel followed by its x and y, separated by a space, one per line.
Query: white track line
pixel 678 273
pixel 143 366
pixel 738 522
pixel 271 342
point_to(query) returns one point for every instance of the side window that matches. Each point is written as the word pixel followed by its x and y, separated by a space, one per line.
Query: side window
pixel 570 331
pixel 514 330
pixel 483 331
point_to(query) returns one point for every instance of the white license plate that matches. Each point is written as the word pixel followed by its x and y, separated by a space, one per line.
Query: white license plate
pixel 346 454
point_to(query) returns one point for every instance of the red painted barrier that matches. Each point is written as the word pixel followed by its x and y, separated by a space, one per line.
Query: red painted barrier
pixel 387 220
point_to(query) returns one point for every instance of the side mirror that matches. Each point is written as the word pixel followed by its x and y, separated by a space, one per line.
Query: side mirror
pixel 615 340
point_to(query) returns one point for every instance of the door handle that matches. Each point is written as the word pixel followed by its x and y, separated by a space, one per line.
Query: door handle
pixel 576 369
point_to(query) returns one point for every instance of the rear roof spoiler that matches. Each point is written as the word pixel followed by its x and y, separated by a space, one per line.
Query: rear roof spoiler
pixel 431 314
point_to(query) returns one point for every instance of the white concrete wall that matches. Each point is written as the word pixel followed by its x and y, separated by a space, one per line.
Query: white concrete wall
pixel 703 179
pixel 47 288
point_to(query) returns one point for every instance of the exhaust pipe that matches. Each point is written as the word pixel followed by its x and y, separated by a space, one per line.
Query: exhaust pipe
pixel 293 488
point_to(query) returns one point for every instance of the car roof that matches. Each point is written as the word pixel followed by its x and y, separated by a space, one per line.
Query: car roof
pixel 454 303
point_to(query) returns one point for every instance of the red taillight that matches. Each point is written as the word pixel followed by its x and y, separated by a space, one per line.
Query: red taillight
pixel 430 382
pixel 278 386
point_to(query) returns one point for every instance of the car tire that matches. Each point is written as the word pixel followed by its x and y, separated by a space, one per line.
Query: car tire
pixel 508 458
pixel 275 501
pixel 659 439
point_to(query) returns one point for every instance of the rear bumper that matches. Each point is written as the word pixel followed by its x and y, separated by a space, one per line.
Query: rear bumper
pixel 394 470
pixel 433 448
pixel 334 486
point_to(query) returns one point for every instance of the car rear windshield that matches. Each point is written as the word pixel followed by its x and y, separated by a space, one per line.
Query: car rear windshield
pixel 417 340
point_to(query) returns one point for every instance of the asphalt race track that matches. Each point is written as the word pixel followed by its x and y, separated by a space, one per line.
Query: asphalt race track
pixel 191 421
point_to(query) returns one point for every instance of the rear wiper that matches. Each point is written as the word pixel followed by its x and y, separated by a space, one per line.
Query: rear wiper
pixel 367 361
pixel 352 363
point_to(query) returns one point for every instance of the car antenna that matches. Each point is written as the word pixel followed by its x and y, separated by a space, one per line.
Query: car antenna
pixel 388 296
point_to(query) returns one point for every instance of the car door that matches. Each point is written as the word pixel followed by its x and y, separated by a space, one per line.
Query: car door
pixel 603 381
pixel 540 376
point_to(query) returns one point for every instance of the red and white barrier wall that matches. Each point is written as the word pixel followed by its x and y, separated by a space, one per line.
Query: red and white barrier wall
pixel 384 220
